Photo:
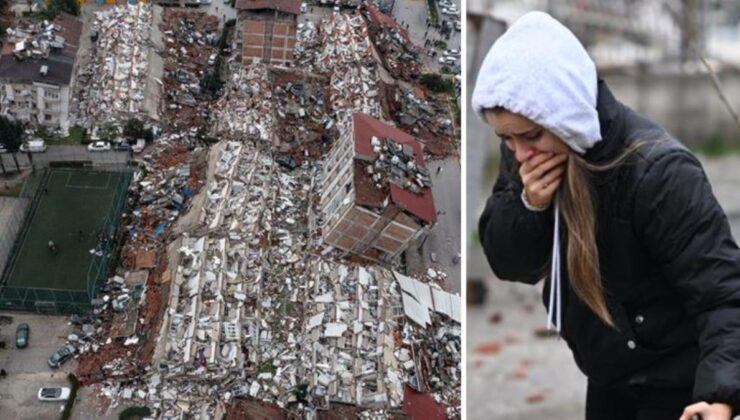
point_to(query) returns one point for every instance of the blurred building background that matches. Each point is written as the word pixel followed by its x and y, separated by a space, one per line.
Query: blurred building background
pixel 649 52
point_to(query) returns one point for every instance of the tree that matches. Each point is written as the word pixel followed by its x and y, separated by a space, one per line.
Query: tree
pixel 11 136
pixel 134 129
pixel 211 83
pixel 54 7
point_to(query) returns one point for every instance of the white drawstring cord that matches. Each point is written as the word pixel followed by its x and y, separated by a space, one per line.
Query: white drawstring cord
pixel 555 295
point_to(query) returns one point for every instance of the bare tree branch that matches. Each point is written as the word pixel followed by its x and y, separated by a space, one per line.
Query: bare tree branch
pixel 717 86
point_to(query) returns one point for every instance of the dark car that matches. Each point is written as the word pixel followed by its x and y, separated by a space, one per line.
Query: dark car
pixel 122 147
pixel 62 355
pixel 21 335
pixel 286 161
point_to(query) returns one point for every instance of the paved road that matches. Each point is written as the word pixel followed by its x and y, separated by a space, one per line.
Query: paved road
pixel 414 12
pixel 27 368
pixel 444 238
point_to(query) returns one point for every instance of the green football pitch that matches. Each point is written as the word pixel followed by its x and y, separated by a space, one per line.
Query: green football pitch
pixel 71 209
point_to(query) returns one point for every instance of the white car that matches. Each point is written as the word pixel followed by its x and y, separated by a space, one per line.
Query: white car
pixel 98 146
pixel 447 60
pixel 458 26
pixel 304 8
pixel 139 146
pixel 451 12
pixel 33 146
pixel 54 394
pixel 452 53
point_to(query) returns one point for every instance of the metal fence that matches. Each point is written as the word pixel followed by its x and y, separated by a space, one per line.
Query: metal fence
pixel 16 216
pixel 69 155
pixel 48 300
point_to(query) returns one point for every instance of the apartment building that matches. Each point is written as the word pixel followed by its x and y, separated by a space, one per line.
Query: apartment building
pixel 36 69
pixel 377 197
pixel 266 30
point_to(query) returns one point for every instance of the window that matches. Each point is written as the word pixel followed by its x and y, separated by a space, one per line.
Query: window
pixel 47 117
pixel 51 94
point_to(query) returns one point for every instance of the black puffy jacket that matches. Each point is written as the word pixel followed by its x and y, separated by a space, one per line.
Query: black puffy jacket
pixel 669 264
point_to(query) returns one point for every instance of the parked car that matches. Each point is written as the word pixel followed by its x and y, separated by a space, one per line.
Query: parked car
pixel 304 8
pixel 54 393
pixel 452 53
pixel 212 59
pixel 98 146
pixel 286 161
pixel 450 11
pixel 21 335
pixel 3 149
pixel 139 145
pixel 447 60
pixel 62 355
pixel 122 146
pixel 458 26
pixel 33 146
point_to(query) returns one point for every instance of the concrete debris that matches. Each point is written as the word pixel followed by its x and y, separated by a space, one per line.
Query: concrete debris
pixel 191 38
pixel 305 128
pixel 111 87
pixel 245 111
pixel 343 51
pixel 424 114
pixel 253 311
pixel 34 39
pixel 248 303
pixel 397 53
pixel 171 173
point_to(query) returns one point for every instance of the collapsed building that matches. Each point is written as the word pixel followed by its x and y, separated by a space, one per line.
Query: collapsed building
pixel 377 196
pixel 36 69
pixel 397 53
pixel 258 310
pixel 266 31
pixel 113 85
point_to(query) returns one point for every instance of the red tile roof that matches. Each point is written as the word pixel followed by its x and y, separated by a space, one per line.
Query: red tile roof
pixel 365 127
pixel 287 6
pixel 422 406
pixel 421 205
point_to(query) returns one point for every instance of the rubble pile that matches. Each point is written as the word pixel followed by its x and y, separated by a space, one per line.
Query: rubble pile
pixel 245 111
pixel 345 54
pixel 396 163
pixel 398 54
pixel 303 122
pixel 426 116
pixel 191 39
pixel 34 40
pixel 257 311
pixel 111 87
pixel 171 172
pixel 307 43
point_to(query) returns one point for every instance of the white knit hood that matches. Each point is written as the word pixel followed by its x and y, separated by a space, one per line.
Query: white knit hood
pixel 539 69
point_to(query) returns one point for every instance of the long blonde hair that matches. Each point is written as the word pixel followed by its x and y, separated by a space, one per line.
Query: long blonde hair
pixel 578 208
